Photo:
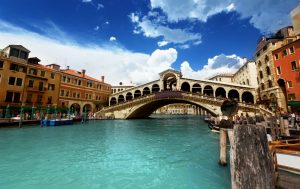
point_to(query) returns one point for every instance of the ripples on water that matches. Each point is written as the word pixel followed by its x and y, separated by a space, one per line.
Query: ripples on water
pixel 176 152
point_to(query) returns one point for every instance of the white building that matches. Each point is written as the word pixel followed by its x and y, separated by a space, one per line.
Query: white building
pixel 246 75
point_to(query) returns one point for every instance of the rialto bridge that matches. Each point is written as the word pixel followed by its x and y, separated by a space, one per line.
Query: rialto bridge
pixel 170 88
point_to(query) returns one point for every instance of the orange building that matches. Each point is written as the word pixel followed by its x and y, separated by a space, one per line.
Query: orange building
pixel 287 72
pixel 82 93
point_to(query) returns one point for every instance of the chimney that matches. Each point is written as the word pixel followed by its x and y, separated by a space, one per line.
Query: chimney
pixel 102 78
pixel 68 67
pixel 121 83
pixel 83 72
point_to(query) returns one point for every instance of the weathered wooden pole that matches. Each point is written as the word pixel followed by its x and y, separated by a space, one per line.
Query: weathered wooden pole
pixel 250 159
pixel 223 150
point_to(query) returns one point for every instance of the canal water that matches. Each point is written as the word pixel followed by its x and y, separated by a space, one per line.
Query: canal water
pixel 175 152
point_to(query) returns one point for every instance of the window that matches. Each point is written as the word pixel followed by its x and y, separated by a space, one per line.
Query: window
pixel 292 50
pixel 17 97
pixel 291 96
pixel 11 80
pixel 278 70
pixel 86 96
pixel 14 52
pixel 78 95
pixel 51 87
pixel 39 99
pixel 23 55
pixel 64 78
pixel 43 73
pixel 284 53
pixel 62 92
pixel 9 96
pixel 289 84
pixel 41 86
pixel 294 65
pixel 30 83
pixel 29 98
pixel 67 94
pixel 49 100
pixel 79 82
pixel 1 64
pixel 52 75
pixel 90 96
pixel 259 63
pixel 68 80
pixel 268 70
pixel 74 95
pixel 262 87
pixel 261 74
pixel 75 81
pixel 19 82
pixel 270 84
pixel 32 71
pixel 14 67
pixel 276 56
pixel 266 58
pixel 248 83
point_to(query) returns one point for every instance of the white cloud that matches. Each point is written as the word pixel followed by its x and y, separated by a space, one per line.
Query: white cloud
pixel 162 43
pixel 267 15
pixel 86 1
pixel 112 38
pixel 169 35
pixel 107 22
pixel 96 28
pixel 216 65
pixel 115 63
pixel 99 6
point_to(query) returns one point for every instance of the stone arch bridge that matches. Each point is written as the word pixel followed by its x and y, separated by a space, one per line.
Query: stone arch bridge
pixel 142 100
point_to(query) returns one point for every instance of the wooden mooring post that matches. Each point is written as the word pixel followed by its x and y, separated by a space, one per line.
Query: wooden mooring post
pixel 223 144
pixel 250 159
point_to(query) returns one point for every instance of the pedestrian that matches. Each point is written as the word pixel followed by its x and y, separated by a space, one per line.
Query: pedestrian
pixel 293 119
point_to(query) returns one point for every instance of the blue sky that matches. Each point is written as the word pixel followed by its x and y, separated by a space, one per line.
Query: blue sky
pixel 134 40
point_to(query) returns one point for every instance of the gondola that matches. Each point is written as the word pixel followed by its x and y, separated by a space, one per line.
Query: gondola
pixel 213 127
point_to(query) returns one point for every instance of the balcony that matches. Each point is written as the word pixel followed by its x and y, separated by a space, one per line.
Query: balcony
pixel 36 89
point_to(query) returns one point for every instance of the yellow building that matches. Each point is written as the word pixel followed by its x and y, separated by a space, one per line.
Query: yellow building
pixel 13 70
pixel 82 93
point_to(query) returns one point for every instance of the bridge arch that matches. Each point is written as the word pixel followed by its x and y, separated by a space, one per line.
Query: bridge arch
pixel 146 91
pixel 208 90
pixel 147 109
pixel 185 86
pixel 113 101
pixel 137 93
pixel 247 97
pixel 220 92
pixel 155 88
pixel 121 99
pixel 196 88
pixel 129 96
pixel 234 95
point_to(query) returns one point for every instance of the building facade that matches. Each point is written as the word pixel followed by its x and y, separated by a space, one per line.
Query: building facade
pixel 26 83
pixel 286 68
pixel 82 93
pixel 246 75
pixel 269 92
pixel 222 78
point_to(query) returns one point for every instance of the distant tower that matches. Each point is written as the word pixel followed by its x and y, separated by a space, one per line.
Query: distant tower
pixel 295 14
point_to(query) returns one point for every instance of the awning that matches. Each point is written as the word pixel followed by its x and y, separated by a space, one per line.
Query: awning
pixel 293 103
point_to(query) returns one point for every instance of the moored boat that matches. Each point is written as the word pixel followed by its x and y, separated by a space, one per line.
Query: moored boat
pixel 287 154
pixel 213 127
pixel 57 122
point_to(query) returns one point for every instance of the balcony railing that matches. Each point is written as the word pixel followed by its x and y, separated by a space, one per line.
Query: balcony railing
pixel 36 89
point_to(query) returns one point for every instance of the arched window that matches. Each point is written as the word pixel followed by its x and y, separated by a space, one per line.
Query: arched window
pixel 185 87
pixel 268 70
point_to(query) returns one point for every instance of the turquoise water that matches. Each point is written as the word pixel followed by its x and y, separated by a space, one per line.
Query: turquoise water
pixel 179 152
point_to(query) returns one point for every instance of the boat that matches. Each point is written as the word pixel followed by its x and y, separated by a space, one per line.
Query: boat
pixel 57 122
pixel 286 155
pixel 213 127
